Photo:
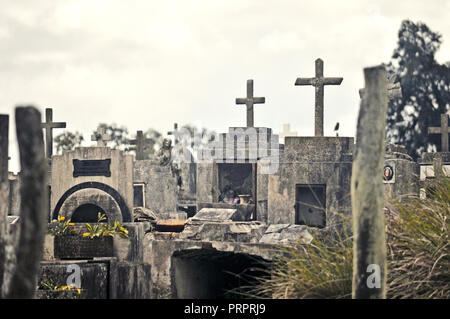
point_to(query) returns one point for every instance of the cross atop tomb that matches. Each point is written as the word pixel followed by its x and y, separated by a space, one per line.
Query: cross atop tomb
pixel 250 100
pixel 318 82
pixel 140 143
pixel 100 137
pixel 286 131
pixel 174 132
pixel 443 130
pixel 49 125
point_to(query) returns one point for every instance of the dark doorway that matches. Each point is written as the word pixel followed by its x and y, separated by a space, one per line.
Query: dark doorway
pixel 208 274
pixel 310 205
pixel 87 213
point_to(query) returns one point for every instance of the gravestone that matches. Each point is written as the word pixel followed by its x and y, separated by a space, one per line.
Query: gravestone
pixel 319 81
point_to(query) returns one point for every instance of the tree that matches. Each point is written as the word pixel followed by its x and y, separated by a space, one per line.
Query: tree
pixel 68 141
pixel 425 86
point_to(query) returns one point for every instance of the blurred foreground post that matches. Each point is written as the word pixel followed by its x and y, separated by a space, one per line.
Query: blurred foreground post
pixel 367 191
pixel 33 208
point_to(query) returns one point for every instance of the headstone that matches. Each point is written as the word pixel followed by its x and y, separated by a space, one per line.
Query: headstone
pixel 367 189
pixel 318 82
pixel 249 101
pixel 49 125
pixel 443 130
pixel 100 137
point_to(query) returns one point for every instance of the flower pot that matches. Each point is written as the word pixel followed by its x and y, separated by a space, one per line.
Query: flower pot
pixel 77 247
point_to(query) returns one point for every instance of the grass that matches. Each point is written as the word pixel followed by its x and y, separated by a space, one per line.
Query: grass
pixel 418 255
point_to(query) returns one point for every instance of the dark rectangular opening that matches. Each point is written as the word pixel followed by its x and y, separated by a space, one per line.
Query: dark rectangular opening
pixel 138 197
pixel 236 178
pixel 310 205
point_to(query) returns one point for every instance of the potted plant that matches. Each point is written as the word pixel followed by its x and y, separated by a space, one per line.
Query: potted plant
pixel 47 289
pixel 96 242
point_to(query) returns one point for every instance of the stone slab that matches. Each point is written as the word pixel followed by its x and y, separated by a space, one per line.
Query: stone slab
pixel 215 214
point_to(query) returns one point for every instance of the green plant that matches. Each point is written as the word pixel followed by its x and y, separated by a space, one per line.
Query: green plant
pixel 105 230
pixel 61 227
pixel 418 255
pixel 418 244
pixel 321 269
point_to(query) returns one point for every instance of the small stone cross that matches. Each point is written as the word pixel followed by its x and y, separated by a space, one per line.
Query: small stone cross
pixel 49 125
pixel 100 137
pixel 250 100
pixel 443 130
pixel 140 143
pixel 318 82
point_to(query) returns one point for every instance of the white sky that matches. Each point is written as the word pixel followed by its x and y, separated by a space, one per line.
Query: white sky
pixel 151 63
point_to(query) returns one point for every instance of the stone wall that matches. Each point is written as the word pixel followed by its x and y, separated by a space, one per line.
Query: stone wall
pixel 160 187
pixel 311 161
pixel 120 181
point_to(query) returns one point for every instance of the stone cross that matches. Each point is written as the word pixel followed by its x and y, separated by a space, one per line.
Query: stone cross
pixel 100 137
pixel 174 133
pixel 443 130
pixel 49 125
pixel 318 82
pixel 286 131
pixel 250 100
pixel 394 89
pixel 140 142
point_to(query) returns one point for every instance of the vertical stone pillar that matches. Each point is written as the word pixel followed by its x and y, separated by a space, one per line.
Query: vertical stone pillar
pixel 367 190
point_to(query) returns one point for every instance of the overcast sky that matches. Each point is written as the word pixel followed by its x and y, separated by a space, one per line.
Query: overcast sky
pixel 147 64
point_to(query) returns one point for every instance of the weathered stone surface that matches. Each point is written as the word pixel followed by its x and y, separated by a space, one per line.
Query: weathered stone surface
pixel 405 181
pixel 215 214
pixel 313 161
pixel 94 275
pixel 367 186
pixel 160 187
pixel 4 191
pixel 244 212
pixel 249 232
pixel 130 280
pixel 34 203
pixel 78 190
pixel 286 234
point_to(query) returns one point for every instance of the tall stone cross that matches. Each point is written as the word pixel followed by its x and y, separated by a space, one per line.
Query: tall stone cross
pixel 100 137
pixel 443 130
pixel 49 125
pixel 140 143
pixel 250 100
pixel 318 82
